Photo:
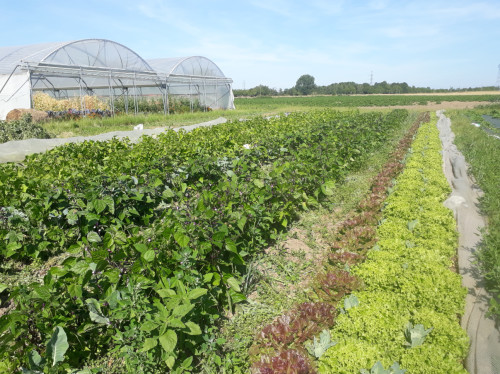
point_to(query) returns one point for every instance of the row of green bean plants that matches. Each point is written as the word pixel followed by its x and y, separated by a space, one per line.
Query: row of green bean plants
pixel 157 234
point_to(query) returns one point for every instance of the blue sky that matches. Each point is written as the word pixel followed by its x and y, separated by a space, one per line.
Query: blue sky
pixel 438 44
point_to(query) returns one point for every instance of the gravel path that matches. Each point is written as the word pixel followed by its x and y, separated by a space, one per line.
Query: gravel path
pixel 17 150
pixel 484 352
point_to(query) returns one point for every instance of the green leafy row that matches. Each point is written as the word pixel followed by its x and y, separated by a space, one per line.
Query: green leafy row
pixel 407 312
pixel 279 347
pixel 157 234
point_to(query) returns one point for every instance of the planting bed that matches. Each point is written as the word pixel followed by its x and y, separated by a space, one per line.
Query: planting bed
pixel 402 312
pixel 279 347
pixel 155 242
pixel 408 311
pixel 155 237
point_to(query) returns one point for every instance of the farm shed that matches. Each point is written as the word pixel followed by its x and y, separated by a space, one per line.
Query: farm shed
pixel 109 70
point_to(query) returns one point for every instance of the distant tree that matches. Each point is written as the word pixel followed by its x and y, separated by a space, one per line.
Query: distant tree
pixel 260 90
pixel 404 87
pixel 305 84
pixel 367 89
pixel 291 92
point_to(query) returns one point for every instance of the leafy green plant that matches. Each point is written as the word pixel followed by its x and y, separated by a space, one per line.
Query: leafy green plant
pixel 415 335
pixel 333 285
pixel 54 353
pixel 319 346
pixel 344 258
pixel 349 355
pixel 289 361
pixel 160 233
pixel 482 154
pixel 333 100
pixel 378 368
pixel 298 325
pixel 351 301
pixel 338 282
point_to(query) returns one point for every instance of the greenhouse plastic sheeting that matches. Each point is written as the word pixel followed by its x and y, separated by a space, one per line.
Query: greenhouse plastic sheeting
pixel 107 69
pixel 15 93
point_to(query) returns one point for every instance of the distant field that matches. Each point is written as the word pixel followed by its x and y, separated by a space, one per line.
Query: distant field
pixel 365 100
pixel 268 106
pixel 192 252
pixel 464 93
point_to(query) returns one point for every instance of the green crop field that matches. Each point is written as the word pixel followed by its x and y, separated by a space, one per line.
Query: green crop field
pixel 302 242
pixel 246 108
pixel 359 101
pixel 157 235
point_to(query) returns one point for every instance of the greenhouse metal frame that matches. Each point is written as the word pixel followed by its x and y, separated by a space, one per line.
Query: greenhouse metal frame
pixel 104 68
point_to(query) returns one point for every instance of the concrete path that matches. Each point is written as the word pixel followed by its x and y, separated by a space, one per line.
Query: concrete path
pixel 484 352
pixel 17 150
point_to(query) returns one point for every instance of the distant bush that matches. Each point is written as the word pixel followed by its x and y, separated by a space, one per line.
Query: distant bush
pixel 74 114
pixel 46 103
pixel 155 104
pixel 94 106
pixel 22 129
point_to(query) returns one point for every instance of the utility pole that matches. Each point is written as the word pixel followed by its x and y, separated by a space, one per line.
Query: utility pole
pixel 498 78
pixel 371 78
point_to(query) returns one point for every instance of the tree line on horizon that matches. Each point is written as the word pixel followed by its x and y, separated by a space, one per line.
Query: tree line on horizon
pixel 305 85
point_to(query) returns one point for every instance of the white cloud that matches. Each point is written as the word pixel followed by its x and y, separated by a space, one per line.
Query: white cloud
pixel 410 31
pixel 280 7
pixel 329 7
pixel 470 10
pixel 168 14
pixel 378 4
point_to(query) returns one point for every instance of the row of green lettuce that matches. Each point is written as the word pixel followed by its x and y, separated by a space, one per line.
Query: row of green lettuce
pixel 482 152
pixel 278 347
pixel 157 234
pixel 407 315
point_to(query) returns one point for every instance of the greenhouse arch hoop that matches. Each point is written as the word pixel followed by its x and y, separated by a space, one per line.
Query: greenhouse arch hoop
pixel 110 70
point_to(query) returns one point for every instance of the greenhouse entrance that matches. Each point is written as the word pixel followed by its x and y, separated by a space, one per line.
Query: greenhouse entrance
pixel 95 76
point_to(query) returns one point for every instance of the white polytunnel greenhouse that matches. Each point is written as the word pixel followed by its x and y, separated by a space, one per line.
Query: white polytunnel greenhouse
pixel 111 72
